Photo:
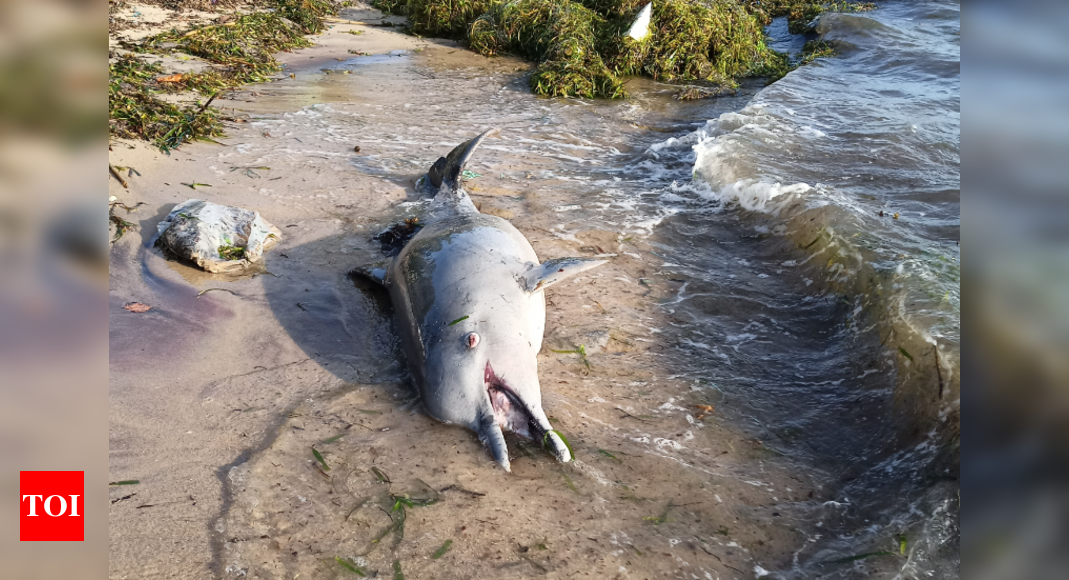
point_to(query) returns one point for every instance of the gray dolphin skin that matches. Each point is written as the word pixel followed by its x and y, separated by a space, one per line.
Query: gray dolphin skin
pixel 468 291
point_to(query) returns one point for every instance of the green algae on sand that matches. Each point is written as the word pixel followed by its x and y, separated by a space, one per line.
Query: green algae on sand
pixel 241 51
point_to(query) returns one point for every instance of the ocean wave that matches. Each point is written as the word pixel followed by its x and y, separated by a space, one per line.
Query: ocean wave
pixel 855 159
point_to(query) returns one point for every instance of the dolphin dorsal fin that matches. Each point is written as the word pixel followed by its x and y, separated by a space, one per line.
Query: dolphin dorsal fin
pixel 447 169
pixel 541 276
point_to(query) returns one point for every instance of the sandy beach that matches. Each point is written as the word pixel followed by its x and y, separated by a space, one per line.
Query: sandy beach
pixel 220 391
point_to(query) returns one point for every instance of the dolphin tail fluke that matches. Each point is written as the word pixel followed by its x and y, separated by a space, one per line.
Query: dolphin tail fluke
pixel 494 439
pixel 447 170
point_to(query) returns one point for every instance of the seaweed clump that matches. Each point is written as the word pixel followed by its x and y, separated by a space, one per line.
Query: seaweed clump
pixel 244 46
pixel 135 112
pixel 815 49
pixel 562 36
pixel 714 41
pixel 241 50
pixel 583 48
pixel 445 18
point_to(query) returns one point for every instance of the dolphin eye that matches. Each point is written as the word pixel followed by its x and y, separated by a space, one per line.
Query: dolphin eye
pixel 472 340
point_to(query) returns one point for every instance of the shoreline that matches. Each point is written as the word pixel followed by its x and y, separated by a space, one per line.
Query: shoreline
pixel 187 482
pixel 218 397
pixel 202 405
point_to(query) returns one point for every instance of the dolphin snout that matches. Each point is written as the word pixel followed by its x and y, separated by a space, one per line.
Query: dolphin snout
pixel 494 439
pixel 557 446
pixel 511 413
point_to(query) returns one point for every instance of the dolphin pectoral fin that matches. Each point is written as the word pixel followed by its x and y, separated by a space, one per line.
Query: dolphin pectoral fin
pixel 494 439
pixel 548 273
pixel 447 169
pixel 372 272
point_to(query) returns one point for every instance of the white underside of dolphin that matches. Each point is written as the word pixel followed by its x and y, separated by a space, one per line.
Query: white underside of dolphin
pixel 468 291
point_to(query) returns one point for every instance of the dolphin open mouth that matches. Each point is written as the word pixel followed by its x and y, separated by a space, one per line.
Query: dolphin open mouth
pixel 509 411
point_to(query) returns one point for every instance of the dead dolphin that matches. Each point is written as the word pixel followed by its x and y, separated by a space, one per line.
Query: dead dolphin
pixel 468 291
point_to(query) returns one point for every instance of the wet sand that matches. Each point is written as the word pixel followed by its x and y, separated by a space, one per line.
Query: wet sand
pixel 217 399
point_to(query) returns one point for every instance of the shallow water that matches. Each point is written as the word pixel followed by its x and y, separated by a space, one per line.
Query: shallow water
pixel 827 454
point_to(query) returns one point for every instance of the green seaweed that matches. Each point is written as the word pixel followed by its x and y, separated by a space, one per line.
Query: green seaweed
pixel 333 439
pixel 545 440
pixel 399 511
pixel 121 225
pixel 398 7
pixel 901 540
pixel 689 41
pixel 800 13
pixel 661 518
pixel 609 455
pixel 582 47
pixel 229 252
pixel 350 567
pixel 446 18
pixel 560 35
pixel 815 49
pixel 409 501
pixel 568 480
pixel 319 458
pixel 382 477
pixel 242 50
pixel 135 112
pixel 441 551
pixel 580 350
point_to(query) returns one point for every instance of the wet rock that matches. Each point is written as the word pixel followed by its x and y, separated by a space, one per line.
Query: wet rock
pixel 218 238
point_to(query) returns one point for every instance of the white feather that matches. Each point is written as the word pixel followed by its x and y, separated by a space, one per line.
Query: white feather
pixel 640 28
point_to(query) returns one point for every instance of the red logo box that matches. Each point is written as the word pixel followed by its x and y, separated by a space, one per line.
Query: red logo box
pixel 52 506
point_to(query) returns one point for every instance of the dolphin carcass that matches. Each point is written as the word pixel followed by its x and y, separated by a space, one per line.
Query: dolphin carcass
pixel 469 296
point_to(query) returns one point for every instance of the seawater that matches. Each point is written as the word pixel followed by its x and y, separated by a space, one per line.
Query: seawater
pixel 856 161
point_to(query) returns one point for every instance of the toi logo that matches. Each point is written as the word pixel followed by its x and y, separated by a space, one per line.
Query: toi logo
pixel 52 506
